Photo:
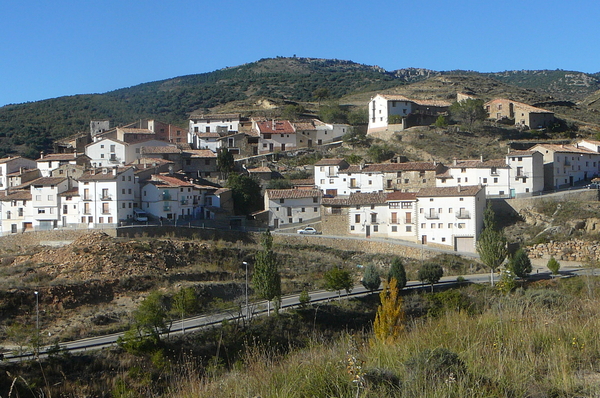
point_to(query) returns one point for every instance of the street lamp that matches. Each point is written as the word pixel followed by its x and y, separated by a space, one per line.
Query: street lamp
pixel 37 318
pixel 246 264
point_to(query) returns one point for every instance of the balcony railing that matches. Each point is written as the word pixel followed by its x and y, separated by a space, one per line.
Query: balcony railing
pixel 184 201
pixel 463 214
pixel 105 197
pixel 432 216
pixel 166 208
pixel 166 196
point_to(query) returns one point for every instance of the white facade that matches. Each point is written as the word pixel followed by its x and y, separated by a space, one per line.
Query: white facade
pixel 45 200
pixel 110 152
pixel 327 179
pixel 565 165
pixel 451 216
pixel 290 206
pixel 526 172
pixel 494 174
pixel 107 195
pixel 168 198
pixel 217 123
pixel 12 165
pixel 16 212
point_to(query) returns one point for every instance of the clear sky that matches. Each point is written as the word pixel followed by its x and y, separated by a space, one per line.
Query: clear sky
pixel 55 48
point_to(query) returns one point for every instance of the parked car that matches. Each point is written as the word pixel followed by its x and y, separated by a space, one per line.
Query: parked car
pixel 592 186
pixel 308 231
pixel 140 215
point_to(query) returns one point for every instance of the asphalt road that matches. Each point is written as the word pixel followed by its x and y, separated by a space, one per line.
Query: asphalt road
pixel 259 308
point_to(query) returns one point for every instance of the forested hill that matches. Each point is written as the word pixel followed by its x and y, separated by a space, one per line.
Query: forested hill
pixel 31 127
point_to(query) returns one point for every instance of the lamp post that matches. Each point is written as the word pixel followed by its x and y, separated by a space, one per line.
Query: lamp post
pixel 37 319
pixel 246 264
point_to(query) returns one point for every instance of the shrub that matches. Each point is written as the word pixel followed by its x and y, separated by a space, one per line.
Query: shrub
pixel 437 364
pixel 553 266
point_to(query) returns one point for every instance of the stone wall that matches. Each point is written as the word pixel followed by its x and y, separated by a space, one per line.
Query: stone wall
pixel 367 246
pixel 573 250
pixel 33 238
pixel 187 232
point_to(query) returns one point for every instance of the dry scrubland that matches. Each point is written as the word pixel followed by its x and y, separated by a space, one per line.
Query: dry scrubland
pixel 537 342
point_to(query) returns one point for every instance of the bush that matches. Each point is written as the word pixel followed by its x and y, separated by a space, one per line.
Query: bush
pixel 437 364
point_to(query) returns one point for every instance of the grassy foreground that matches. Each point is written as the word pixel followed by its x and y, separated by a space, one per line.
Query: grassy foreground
pixel 536 342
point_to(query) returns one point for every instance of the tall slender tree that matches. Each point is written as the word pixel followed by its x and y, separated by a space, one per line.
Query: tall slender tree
pixel 492 242
pixel 371 278
pixel 266 278
pixel 398 272
pixel 390 314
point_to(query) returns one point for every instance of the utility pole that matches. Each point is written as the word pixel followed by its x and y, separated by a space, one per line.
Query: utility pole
pixel 246 264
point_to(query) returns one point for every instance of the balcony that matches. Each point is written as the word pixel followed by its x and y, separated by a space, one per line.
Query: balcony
pixel 85 197
pixel 463 215
pixel 166 196
pixel 105 197
pixel 166 208
pixel 184 201
pixel 432 215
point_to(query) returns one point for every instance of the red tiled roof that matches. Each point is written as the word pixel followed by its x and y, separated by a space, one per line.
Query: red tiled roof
pixel 397 195
pixel 159 179
pixel 200 153
pixel 59 156
pixel 330 162
pixel 470 190
pixel 280 127
pixel 15 195
pixel 478 164
pixel 564 148
pixel 292 193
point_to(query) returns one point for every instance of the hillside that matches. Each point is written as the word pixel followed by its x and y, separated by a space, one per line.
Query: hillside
pixel 31 127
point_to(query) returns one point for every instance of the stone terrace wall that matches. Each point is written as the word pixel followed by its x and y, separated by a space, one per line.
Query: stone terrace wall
pixel 367 246
pixel 573 250
pixel 34 238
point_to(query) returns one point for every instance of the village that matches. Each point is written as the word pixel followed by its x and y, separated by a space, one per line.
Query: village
pixel 158 173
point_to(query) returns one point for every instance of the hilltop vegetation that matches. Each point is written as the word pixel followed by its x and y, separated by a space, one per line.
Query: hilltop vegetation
pixel 31 127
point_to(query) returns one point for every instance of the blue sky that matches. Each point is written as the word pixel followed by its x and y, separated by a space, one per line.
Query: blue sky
pixel 52 49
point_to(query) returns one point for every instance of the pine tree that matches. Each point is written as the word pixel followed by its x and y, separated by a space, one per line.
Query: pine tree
pixel 371 278
pixel 390 314
pixel 398 272
pixel 520 264
pixel 492 243
pixel 266 279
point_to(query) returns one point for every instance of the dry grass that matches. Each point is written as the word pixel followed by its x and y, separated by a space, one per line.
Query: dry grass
pixel 536 343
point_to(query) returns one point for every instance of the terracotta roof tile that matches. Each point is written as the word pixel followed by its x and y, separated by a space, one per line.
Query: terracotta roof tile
pixel 397 195
pixel 292 193
pixel 15 195
pixel 330 162
pixel 280 127
pixel 159 179
pixel 470 190
pixel 478 164
pixel 200 153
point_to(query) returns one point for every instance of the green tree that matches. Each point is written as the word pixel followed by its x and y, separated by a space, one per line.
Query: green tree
pixel 371 278
pixel 246 193
pixel 395 119
pixel 356 137
pixel 380 153
pixel 492 243
pixel 358 117
pixel 441 122
pixel 184 303
pixel 279 183
pixel 304 298
pixel 150 318
pixel 520 264
pixel 225 162
pixel 430 273
pixel 320 94
pixel 397 272
pixel 553 266
pixel 390 315
pixel 338 279
pixel 332 113
pixel 266 279
pixel 468 112
pixel 292 112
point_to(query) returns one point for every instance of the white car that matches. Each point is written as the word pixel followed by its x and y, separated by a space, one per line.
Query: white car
pixel 308 231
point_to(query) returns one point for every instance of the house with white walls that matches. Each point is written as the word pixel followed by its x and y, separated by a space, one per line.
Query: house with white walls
pixel 292 206
pixel 494 174
pixel 107 195
pixel 169 198
pixel 526 173
pixel 311 133
pixel 46 201
pixel 16 211
pixel 10 165
pixel 566 165
pixel 108 152
pixel 221 124
pixel 275 135
pixel 327 177
pixel 450 217
pixel 408 112
pixel 47 163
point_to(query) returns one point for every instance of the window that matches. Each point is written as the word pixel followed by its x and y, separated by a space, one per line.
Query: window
pixel 314 209
pixel 322 181
pixel 423 225
pixel 443 239
pixel 394 228
pixel 406 205
pixel 105 208
pixel 406 180
pixel 440 225
pixel 315 200
pixel 409 228
pixel 375 228
pixel 374 218
pixel 449 225
pixel 495 180
pixel 357 218
pixel 303 210
pixel 50 197
pixel 432 225
pixel 461 199
pixel 485 180
pixel 461 225
pixel 458 179
pixel 281 201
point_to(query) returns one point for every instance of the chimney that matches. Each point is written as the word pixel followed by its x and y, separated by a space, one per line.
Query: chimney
pixel 93 171
pixel 75 154
pixel 115 169
pixel 481 158
pixel 104 170
pixel 171 170
pixel 454 161
pixel 42 155
pixel 458 186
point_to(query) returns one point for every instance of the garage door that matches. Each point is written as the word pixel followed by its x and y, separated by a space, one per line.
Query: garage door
pixel 464 244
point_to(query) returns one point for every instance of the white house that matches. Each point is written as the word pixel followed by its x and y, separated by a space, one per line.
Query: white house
pixel 221 124
pixel 169 198
pixel 315 132
pixel 450 216
pixel 47 163
pixel 327 177
pixel 564 165
pixel 526 170
pixel 290 206
pixel 46 201
pixel 11 165
pixel 275 136
pixel 207 141
pixel 107 195
pixel 16 212
pixel 108 152
pixel 410 111
pixel 494 174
